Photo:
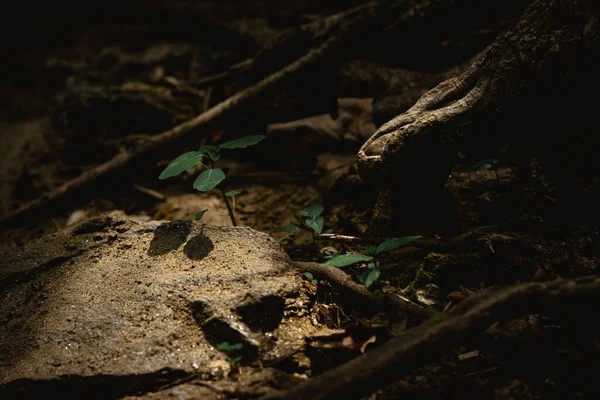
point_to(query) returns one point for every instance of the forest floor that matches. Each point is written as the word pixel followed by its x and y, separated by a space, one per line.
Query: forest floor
pixel 493 225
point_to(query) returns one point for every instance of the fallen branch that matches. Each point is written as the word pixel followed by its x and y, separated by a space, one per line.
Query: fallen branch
pixel 337 277
pixel 429 341
pixel 349 239
pixel 343 281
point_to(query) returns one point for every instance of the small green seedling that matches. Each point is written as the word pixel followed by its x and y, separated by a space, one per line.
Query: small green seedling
pixel 311 278
pixel 232 194
pixel 313 220
pixel 230 350
pixel 211 177
pixel 486 164
pixel 373 271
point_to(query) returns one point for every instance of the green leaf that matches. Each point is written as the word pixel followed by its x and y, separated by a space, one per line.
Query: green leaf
pixel 314 281
pixel 232 193
pixel 371 277
pixel 461 155
pixel 304 213
pixel 316 224
pixel 223 346
pixel 329 231
pixel 214 154
pixel 346 259
pixel 371 251
pixel 181 163
pixel 209 179
pixel 314 210
pixel 394 243
pixel 242 142
pixel 290 228
pixel 199 214
pixel 207 149
pixel 308 275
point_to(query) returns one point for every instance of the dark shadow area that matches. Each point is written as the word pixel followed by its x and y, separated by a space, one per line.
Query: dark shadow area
pixel 169 236
pixel 264 314
pixel 198 247
pixel 219 329
pixel 94 387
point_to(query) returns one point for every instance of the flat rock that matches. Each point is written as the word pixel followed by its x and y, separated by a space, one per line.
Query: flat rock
pixel 116 302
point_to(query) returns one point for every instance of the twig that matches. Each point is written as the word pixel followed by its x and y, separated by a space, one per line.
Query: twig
pixel 337 277
pixel 344 282
pixel 213 79
pixel 424 343
pixel 207 98
pixel 352 239
pixel 152 193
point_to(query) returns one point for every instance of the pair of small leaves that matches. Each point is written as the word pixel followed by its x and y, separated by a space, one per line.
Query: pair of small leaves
pixel 314 219
pixel 316 224
pixel 313 211
pixel 225 346
pixel 191 159
pixel 311 278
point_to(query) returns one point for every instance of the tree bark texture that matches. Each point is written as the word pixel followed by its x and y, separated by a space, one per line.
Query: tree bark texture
pixel 531 81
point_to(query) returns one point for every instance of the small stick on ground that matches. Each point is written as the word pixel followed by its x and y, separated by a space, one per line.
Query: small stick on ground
pixel 152 193
pixel 344 282
pixel 338 278
pixel 350 239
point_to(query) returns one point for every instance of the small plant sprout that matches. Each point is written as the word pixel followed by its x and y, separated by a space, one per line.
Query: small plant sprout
pixel 313 220
pixel 231 350
pixel 232 194
pixel 311 278
pixel 373 271
pixel 211 177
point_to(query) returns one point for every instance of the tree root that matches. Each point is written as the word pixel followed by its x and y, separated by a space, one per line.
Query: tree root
pixel 423 141
pixel 344 282
pixel 423 344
